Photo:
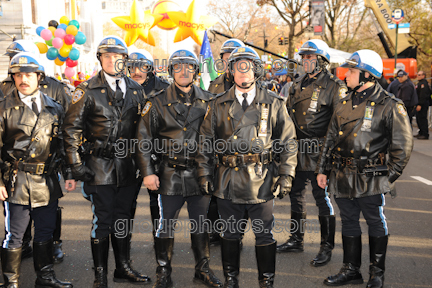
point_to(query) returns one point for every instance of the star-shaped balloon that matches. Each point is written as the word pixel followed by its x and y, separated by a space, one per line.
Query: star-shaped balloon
pixel 191 24
pixel 138 24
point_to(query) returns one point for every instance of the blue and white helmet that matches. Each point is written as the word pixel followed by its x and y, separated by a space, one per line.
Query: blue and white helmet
pixel 229 45
pixel 141 59
pixel 112 44
pixel 21 46
pixel 315 47
pixel 141 55
pixel 26 62
pixel 367 61
pixel 182 56
pixel 247 53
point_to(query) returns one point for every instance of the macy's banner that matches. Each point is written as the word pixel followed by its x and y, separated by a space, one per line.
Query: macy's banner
pixel 166 14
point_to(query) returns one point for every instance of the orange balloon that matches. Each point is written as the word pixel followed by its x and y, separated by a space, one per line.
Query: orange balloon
pixel 58 62
pixel 52 29
pixel 162 7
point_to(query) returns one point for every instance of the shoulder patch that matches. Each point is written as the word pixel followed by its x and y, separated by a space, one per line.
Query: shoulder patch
pixel 401 109
pixel 146 108
pixel 343 92
pixel 78 94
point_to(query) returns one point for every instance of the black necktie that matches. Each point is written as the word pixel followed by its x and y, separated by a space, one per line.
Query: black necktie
pixel 34 106
pixel 244 103
pixel 118 95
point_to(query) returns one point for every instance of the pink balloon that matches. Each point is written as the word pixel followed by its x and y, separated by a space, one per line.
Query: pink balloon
pixel 69 72
pixel 57 42
pixel 46 34
pixel 60 33
pixel 69 39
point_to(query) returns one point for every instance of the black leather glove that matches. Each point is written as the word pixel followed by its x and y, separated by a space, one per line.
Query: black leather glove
pixel 206 185
pixel 82 173
pixel 285 184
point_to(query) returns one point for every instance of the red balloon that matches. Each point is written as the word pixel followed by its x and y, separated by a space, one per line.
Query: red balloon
pixel 71 63
pixel 69 39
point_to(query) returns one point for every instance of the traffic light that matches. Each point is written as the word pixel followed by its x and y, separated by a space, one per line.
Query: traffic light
pixel 281 40
pixel 265 43
pixel 285 41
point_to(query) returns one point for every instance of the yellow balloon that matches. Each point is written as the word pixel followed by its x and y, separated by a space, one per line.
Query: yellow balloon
pixel 43 48
pixel 64 51
pixel 68 46
pixel 162 7
pixel 52 29
pixel 58 62
pixel 64 20
pixel 72 30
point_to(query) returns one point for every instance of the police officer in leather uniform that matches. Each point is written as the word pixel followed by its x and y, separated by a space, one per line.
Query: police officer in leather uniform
pixel 367 146
pixel 219 85
pixel 104 111
pixel 49 85
pixel 424 97
pixel 61 93
pixel 142 70
pixel 311 102
pixel 31 155
pixel 248 120
pixel 225 81
pixel 172 119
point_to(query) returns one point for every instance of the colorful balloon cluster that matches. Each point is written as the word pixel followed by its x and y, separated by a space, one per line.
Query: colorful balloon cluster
pixel 59 39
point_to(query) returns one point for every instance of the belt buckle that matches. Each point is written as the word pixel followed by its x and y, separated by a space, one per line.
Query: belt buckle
pixel 240 160
pixel 265 159
pixel 40 169
pixel 232 161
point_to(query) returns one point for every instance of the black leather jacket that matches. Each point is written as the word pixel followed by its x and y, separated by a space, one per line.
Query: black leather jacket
pixel 92 117
pixel 378 125
pixel 220 84
pixel 49 85
pixel 226 122
pixel 173 128
pixel 33 140
pixel 311 109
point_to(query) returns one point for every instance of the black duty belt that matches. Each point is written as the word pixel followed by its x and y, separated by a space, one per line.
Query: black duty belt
pixel 369 167
pixel 243 159
pixel 179 162
pixel 33 168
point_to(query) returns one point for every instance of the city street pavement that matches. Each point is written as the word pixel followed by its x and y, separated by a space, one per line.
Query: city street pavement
pixel 409 258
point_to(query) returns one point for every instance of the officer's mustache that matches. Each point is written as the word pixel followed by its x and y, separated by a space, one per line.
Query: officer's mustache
pixel 24 85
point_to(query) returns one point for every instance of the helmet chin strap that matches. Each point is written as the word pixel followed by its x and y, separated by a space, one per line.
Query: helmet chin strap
pixel 245 85
pixel 184 86
pixel 32 93
pixel 363 80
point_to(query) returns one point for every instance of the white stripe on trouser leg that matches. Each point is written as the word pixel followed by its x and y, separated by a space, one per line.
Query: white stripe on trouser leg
pixel 160 215
pixel 95 219
pixel 381 212
pixel 328 200
pixel 7 225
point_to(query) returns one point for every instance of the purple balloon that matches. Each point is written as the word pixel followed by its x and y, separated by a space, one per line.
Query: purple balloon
pixel 46 34
pixel 60 33
pixel 57 42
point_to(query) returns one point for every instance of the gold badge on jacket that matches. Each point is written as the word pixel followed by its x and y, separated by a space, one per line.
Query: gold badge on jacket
pixel 78 94
pixel 146 108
